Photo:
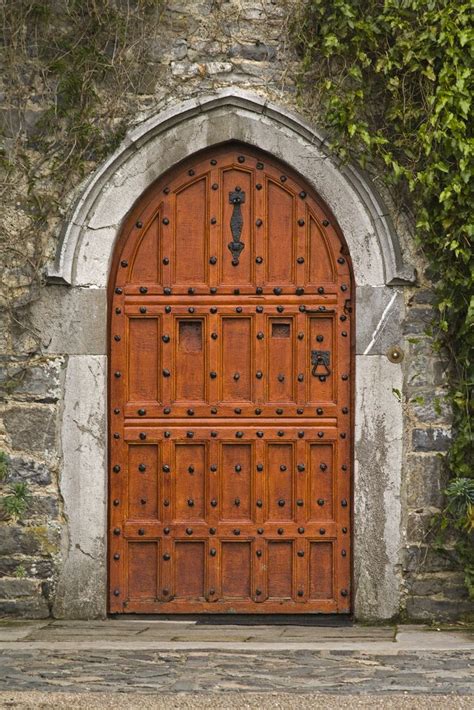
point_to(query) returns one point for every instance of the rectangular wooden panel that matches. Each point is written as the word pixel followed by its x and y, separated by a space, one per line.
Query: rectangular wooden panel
pixel 321 493
pixel 190 358
pixel 244 270
pixel 279 482
pixel 236 476
pixel 143 489
pixel 145 267
pixel 143 581
pixel 280 569
pixel 189 569
pixel 280 357
pixel 321 338
pixel 236 359
pixel 321 570
pixel 320 266
pixel 236 569
pixel 143 359
pixel 281 224
pixel 189 475
pixel 191 243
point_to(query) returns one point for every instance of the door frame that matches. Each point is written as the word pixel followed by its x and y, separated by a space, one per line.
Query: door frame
pixel 83 262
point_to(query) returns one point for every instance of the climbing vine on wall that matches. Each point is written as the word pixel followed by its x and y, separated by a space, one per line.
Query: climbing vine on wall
pixel 73 76
pixel 392 80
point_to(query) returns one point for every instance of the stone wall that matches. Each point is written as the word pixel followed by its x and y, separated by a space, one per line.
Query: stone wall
pixel 200 46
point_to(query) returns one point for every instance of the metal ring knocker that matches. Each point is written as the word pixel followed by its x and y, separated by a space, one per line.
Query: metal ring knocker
pixel 320 358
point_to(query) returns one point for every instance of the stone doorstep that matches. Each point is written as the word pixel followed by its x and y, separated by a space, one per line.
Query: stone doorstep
pixel 178 635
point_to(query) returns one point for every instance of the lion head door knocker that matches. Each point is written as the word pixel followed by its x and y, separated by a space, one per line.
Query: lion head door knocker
pixel 236 198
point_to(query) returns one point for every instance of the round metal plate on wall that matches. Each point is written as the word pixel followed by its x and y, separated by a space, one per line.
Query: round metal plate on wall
pixel 395 354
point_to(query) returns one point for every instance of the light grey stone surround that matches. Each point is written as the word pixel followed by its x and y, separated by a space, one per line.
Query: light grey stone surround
pixel 73 314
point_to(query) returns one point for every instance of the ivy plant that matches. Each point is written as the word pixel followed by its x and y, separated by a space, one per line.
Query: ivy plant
pixel 392 80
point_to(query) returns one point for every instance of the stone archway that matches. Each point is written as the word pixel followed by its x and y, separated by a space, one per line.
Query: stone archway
pixel 77 317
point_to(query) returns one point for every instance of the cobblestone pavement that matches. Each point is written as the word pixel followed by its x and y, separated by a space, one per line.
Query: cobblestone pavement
pixel 186 665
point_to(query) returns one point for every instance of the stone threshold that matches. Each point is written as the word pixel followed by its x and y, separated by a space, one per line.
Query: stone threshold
pixel 187 635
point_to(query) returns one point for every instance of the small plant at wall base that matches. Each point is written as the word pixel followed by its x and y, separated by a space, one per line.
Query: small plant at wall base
pixel 393 82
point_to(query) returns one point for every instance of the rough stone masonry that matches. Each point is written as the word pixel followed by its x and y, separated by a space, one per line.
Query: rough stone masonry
pixel 199 47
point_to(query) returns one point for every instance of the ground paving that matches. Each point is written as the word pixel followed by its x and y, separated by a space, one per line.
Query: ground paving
pixel 183 664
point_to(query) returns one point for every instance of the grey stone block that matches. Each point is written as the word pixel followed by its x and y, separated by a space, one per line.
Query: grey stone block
pixel 43 507
pixel 426 608
pixel 422 558
pixel 14 588
pixel 22 470
pixel 72 321
pixel 418 321
pixel 34 567
pixel 40 381
pixel 431 439
pixel 32 540
pixel 258 52
pixel 36 608
pixel 431 407
pixel 450 585
pixel 31 428
pixel 423 296
pixel 380 314
pixel 426 480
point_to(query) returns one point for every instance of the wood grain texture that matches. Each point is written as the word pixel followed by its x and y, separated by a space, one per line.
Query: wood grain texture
pixel 230 441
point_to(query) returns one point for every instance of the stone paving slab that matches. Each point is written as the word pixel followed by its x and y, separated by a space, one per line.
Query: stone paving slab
pixel 250 701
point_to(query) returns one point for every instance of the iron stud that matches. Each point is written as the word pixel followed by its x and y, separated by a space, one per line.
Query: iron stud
pixel 325 222
pixel 166 261
pixel 260 531
pixel 280 531
pixel 300 553
pixel 259 260
pixel 166 531
pixel 116 556
pixel 322 531
pixel 116 468
pixel 301 531
pixel 277 291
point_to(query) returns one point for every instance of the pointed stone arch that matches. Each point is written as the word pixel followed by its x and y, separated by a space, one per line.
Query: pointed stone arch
pixel 81 272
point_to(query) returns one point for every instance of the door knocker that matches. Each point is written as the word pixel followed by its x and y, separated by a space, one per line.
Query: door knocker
pixel 320 359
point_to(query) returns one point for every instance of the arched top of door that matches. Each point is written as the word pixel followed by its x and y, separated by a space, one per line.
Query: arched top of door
pixel 87 243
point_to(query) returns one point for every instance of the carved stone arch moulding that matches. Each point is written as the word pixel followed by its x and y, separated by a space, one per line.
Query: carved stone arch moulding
pixel 83 263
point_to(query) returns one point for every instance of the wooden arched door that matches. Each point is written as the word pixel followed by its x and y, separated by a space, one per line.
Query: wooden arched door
pixel 230 395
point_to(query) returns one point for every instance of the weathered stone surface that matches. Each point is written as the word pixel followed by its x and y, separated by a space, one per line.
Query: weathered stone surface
pixel 32 428
pixel 32 566
pixel 431 439
pixel 84 491
pixel 258 52
pixel 431 407
pixel 422 558
pixel 380 316
pixel 28 471
pixel 426 480
pixel 41 540
pixel 378 444
pixel 15 588
pixel 43 507
pixel 448 584
pixel 426 608
pixel 72 321
pixel 418 320
pixel 36 608
pixel 39 380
